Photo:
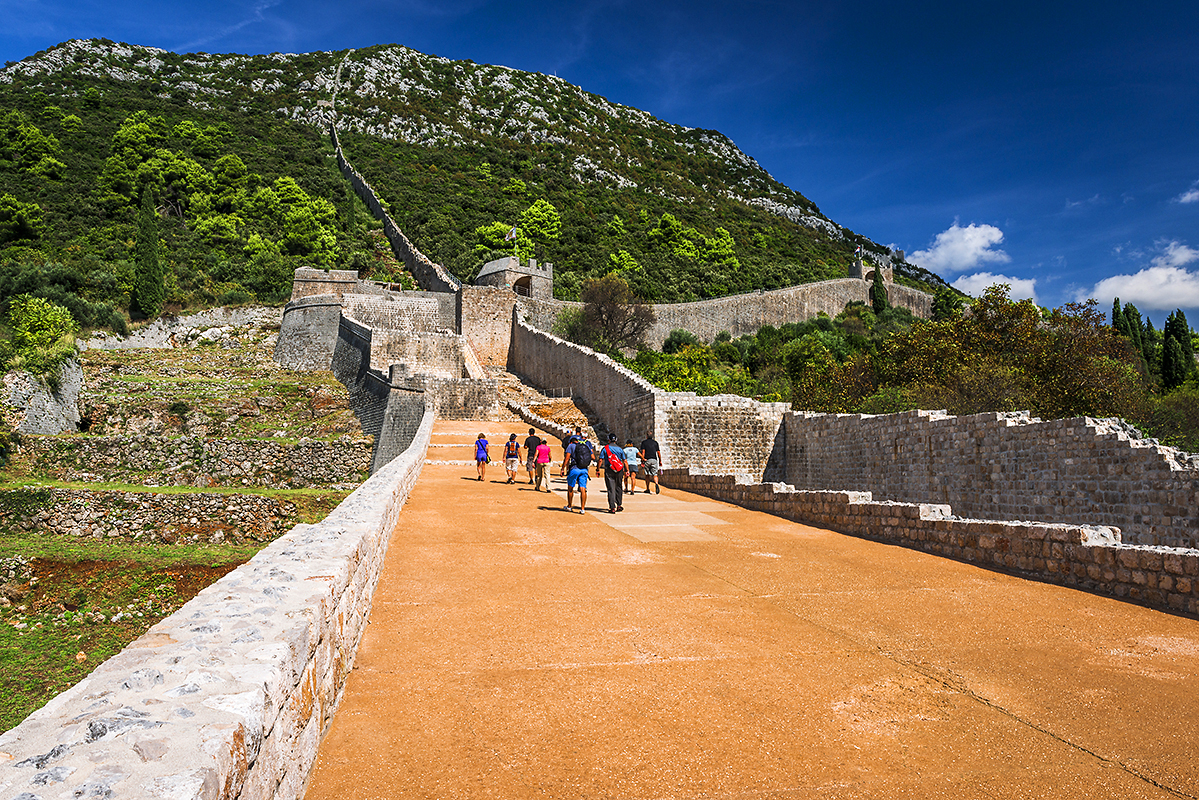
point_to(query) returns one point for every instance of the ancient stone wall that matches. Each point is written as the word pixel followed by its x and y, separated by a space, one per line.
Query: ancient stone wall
pixel 313 282
pixel 1004 466
pixel 722 434
pixel 553 364
pixel 229 696
pixel 395 312
pixel 308 332
pixel 485 319
pixel 431 276
pixel 743 314
pixel 199 461
pixel 440 354
pixel 1089 558
pixel 185 518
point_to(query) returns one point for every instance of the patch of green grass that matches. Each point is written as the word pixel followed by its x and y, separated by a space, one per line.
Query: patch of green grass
pixel 60 548
pixel 40 663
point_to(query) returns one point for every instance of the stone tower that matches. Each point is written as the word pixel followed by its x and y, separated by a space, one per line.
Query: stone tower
pixel 530 280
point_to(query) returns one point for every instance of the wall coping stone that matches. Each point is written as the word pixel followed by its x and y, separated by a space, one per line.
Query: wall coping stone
pixel 227 697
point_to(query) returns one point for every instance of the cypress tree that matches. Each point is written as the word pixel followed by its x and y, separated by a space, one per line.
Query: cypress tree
pixel 1174 370
pixel 1118 321
pixel 878 293
pixel 1132 321
pixel 149 289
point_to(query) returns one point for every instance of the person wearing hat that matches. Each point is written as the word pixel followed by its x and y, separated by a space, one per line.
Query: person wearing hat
pixel 614 464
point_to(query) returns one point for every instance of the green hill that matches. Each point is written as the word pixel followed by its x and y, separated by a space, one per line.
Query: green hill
pixel 234 152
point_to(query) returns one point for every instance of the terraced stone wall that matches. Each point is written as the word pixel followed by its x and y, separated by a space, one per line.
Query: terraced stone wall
pixel 1004 466
pixel 199 461
pixel 1086 557
pixel 229 696
pixel 189 518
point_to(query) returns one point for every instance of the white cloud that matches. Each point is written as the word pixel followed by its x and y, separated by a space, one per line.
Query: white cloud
pixel 1190 195
pixel 1175 254
pixel 961 249
pixel 1162 286
pixel 974 285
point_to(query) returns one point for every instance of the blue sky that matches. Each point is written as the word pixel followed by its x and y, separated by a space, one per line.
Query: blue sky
pixel 1053 144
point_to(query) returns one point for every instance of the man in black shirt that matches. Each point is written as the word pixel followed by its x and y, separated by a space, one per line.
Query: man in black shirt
pixel 651 462
pixel 531 443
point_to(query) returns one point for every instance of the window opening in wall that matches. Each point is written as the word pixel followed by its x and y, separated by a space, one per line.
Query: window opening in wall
pixel 523 286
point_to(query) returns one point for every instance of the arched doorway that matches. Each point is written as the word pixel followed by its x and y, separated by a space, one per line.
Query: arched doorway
pixel 523 286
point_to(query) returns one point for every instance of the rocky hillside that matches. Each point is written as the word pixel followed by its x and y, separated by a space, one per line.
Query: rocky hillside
pixel 233 149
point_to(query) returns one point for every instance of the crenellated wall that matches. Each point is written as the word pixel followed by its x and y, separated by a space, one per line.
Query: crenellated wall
pixel 1005 466
pixel 431 276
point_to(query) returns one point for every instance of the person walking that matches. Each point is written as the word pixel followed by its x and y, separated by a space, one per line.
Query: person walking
pixel 482 455
pixel 580 455
pixel 570 439
pixel 632 458
pixel 511 457
pixel 651 462
pixel 612 460
pixel 531 443
pixel 542 463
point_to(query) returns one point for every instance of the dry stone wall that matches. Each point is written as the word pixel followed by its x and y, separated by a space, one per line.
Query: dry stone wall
pixel 190 518
pixel 1005 466
pixel 200 461
pixel 1086 557
pixel 229 696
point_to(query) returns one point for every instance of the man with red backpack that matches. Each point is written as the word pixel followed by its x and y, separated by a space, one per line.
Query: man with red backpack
pixel 511 457
pixel 613 460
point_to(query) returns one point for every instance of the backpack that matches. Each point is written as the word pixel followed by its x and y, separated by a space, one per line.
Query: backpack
pixel 511 450
pixel 615 463
pixel 582 456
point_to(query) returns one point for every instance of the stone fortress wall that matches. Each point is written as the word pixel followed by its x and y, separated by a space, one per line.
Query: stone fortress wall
pixel 229 696
pixel 1004 466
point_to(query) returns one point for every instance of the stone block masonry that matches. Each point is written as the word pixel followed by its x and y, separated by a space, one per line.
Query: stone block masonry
pixel 1005 466
pixel 229 696
pixel 186 518
pixel 612 391
pixel 1085 557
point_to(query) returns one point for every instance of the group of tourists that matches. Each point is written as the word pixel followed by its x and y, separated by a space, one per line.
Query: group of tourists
pixel 621 466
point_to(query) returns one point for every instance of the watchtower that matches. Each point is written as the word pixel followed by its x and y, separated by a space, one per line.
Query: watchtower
pixel 529 280
pixel 866 273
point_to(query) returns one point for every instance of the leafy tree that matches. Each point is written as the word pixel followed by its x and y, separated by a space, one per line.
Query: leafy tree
pixel 679 338
pixel 149 289
pixel 614 317
pixel 541 222
pixel 37 322
pixel 19 220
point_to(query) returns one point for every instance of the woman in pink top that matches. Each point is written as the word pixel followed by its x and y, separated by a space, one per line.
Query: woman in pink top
pixel 542 464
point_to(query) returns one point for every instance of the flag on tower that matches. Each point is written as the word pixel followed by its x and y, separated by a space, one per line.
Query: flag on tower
pixel 511 236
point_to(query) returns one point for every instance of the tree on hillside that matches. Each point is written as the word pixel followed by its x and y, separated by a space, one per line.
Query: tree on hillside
pixel 878 293
pixel 149 288
pixel 613 317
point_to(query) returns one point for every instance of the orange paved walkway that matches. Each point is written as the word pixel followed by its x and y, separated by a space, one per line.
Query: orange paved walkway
pixel 699 650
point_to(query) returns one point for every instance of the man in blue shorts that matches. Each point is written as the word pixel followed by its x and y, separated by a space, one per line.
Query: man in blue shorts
pixel 578 458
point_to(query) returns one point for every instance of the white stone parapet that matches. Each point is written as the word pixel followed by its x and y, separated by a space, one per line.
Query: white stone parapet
pixel 229 696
